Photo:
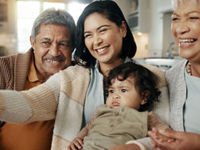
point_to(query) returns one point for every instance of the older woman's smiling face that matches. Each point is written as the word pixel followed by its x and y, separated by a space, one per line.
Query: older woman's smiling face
pixel 186 29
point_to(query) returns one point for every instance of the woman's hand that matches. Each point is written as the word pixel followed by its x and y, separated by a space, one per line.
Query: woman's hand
pixel 170 140
pixel 76 144
pixel 126 147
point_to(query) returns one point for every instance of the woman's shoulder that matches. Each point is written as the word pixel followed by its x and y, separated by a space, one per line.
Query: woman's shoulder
pixel 76 71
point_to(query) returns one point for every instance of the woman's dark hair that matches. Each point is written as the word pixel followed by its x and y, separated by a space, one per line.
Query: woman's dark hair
pixel 112 12
pixel 145 81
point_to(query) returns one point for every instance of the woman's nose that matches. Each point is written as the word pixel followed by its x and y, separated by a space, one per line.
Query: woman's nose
pixel 97 40
pixel 182 28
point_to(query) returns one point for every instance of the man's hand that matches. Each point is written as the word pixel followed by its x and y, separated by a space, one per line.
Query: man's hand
pixel 174 140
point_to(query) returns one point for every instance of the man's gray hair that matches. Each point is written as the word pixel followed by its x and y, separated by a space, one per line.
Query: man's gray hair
pixel 58 17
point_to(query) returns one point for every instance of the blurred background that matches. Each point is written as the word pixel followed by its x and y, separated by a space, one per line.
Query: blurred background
pixel 149 21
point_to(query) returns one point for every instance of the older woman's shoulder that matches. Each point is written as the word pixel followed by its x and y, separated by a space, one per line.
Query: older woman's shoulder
pixel 177 69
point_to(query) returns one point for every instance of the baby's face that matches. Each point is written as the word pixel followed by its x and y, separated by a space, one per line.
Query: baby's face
pixel 124 93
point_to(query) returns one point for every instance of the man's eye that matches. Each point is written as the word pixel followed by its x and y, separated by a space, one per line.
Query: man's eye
pixel 64 44
pixel 123 90
pixel 46 43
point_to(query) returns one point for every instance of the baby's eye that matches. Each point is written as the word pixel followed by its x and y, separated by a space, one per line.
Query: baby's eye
pixel 111 91
pixel 123 90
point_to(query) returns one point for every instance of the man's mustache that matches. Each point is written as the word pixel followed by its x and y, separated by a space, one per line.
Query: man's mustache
pixel 55 58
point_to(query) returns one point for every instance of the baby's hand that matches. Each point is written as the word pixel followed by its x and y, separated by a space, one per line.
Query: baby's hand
pixel 76 144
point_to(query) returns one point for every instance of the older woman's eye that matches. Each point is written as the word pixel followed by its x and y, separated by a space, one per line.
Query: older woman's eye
pixel 175 19
pixel 194 18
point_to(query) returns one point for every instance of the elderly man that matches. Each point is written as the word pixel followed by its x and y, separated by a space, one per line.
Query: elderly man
pixel 52 40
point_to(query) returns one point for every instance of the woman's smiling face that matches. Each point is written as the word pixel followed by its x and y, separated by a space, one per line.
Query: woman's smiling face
pixel 186 29
pixel 103 38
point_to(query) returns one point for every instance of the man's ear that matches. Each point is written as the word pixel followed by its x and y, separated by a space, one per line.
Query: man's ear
pixel 32 42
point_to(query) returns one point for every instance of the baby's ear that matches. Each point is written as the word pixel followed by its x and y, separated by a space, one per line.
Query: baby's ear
pixel 145 96
pixel 144 101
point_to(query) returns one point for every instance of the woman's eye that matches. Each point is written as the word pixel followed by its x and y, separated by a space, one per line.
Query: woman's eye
pixel 87 35
pixel 123 90
pixel 102 30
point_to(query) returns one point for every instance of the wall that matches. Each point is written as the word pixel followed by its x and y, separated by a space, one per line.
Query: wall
pixel 125 7
pixel 142 41
pixel 159 33
pixel 156 41
pixel 8 36
pixel 155 31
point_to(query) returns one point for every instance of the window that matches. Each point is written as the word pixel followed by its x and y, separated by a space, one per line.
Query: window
pixel 27 11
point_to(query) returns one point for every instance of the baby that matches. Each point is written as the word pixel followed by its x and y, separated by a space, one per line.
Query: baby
pixel 132 92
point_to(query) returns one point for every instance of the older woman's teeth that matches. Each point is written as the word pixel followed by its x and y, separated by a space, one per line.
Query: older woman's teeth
pixel 187 40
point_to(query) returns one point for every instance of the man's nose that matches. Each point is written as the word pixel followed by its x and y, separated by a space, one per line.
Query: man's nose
pixel 54 49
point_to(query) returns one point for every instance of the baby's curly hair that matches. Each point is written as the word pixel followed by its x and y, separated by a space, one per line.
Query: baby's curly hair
pixel 145 81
